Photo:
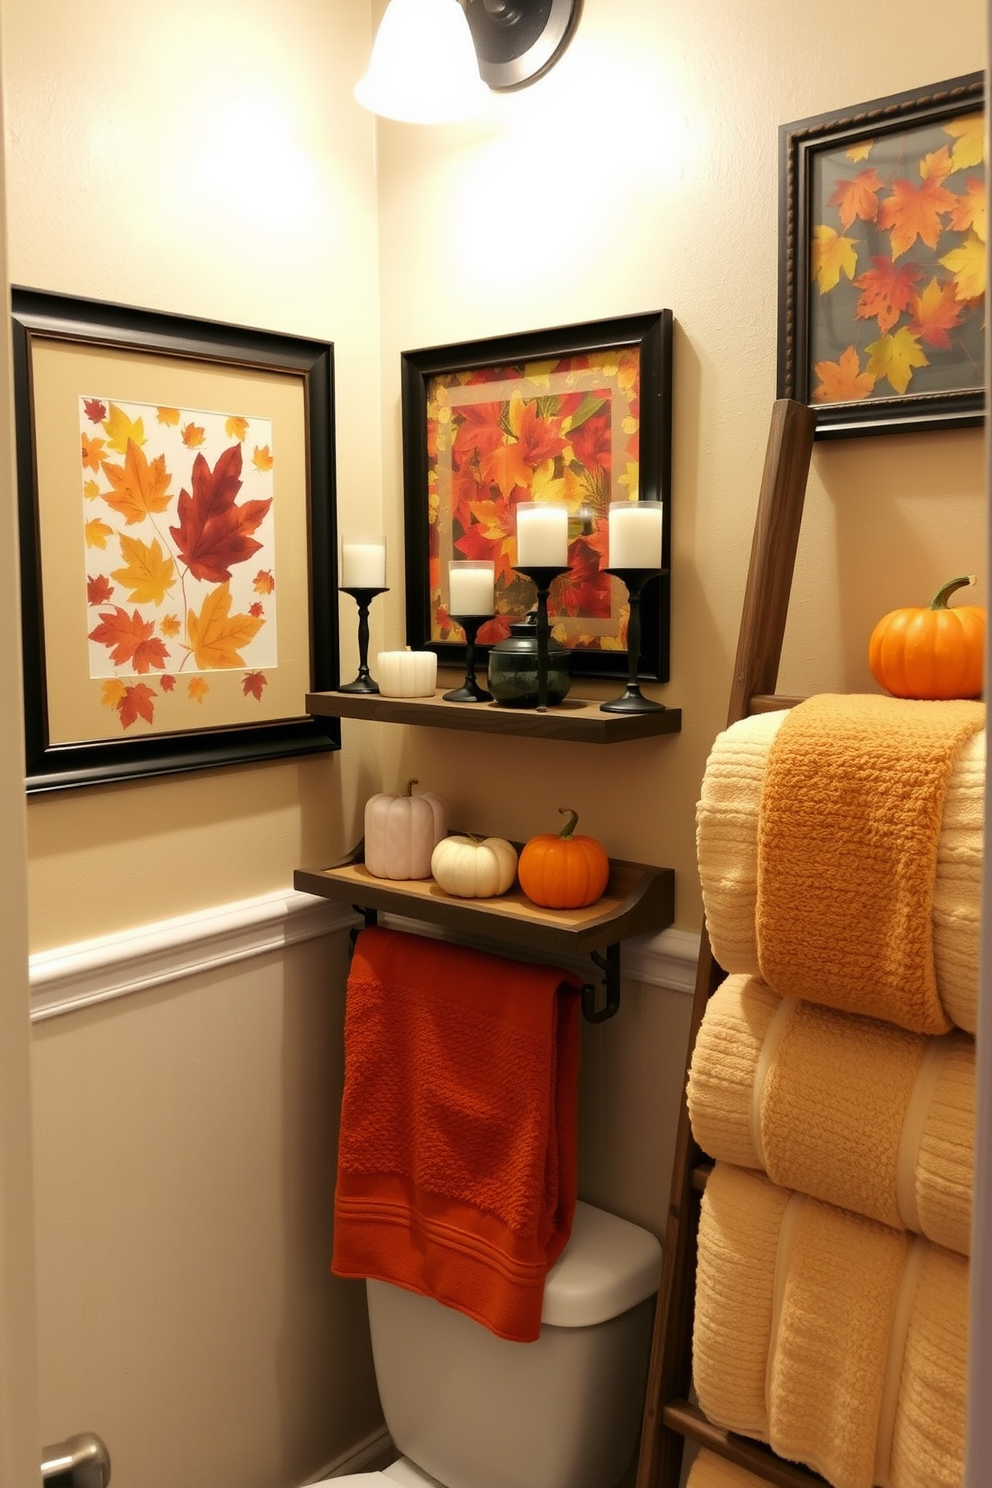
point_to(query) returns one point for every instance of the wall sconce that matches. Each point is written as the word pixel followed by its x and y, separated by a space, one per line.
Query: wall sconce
pixel 434 61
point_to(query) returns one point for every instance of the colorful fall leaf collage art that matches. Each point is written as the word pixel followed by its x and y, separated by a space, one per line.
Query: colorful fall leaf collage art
pixel 897 264
pixel 563 431
pixel 180 562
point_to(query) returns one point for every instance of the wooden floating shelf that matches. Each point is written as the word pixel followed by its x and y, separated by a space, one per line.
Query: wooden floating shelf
pixel 575 719
pixel 639 900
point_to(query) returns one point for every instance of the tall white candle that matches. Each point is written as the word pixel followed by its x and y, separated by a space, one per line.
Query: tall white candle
pixel 471 587
pixel 363 563
pixel 542 535
pixel 635 534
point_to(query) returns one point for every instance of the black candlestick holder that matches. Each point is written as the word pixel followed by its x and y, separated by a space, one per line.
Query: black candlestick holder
pixel 363 597
pixel 542 578
pixel 470 691
pixel 633 700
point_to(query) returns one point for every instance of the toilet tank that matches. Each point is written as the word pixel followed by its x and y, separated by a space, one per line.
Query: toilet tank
pixel 477 1411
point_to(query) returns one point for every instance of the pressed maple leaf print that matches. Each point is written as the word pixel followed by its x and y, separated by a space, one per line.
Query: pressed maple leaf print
pixel 92 451
pixel 564 430
pixel 215 531
pixel 98 590
pixel 174 551
pixel 898 264
pixel 138 702
pixel 886 291
pixel 95 533
pixel 842 381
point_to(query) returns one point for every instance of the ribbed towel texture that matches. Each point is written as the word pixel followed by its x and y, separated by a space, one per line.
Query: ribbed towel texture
pixel 848 1109
pixel 457 1151
pixel 818 811
pixel 711 1471
pixel 840 1341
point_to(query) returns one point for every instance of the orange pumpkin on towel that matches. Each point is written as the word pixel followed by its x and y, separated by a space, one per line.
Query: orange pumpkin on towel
pixel 561 870
pixel 934 653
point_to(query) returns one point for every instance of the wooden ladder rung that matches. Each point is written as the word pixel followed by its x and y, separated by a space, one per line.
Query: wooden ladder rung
pixel 700 1175
pixel 689 1421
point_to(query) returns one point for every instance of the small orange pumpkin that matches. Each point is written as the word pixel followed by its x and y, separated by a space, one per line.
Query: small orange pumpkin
pixel 933 653
pixel 561 870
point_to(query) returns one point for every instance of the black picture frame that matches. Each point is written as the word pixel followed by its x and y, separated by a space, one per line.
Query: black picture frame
pixel 651 336
pixel 176 346
pixel 945 391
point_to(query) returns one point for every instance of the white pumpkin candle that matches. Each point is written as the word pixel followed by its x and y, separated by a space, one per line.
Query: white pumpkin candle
pixel 542 535
pixel 363 563
pixel 471 587
pixel 635 534
pixel 406 673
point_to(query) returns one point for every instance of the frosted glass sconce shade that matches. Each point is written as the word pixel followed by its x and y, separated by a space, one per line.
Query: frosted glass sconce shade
pixel 423 68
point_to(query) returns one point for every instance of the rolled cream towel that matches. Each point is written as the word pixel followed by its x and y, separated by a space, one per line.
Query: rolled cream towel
pixel 727 852
pixel 711 1471
pixel 840 1342
pixel 850 1110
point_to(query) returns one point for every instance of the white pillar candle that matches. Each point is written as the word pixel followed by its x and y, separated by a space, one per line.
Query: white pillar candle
pixel 471 587
pixel 635 534
pixel 542 535
pixel 406 673
pixel 363 563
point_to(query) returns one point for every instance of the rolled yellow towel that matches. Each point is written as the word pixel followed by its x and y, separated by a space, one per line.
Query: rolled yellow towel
pixel 840 1342
pixel 727 817
pixel 850 1110
pixel 711 1471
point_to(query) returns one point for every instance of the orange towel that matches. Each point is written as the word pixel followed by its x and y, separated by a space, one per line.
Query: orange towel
pixel 457 1155
pixel 847 851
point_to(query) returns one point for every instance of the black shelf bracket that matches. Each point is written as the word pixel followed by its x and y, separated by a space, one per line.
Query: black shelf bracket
pixel 593 1010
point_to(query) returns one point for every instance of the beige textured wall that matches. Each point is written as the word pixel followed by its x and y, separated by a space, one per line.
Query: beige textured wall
pixel 19 1421
pixel 642 172
pixel 185 1142
pixel 209 161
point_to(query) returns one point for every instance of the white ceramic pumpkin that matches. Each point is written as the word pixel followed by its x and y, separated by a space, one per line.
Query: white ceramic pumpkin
pixel 474 867
pixel 401 832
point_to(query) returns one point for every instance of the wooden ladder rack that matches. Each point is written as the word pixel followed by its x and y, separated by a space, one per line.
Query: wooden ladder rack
pixel 669 1417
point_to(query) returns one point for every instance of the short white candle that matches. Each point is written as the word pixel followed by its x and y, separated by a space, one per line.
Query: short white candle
pixel 635 534
pixel 471 587
pixel 542 535
pixel 406 673
pixel 363 563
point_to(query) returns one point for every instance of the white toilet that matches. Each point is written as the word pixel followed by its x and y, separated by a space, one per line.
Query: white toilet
pixel 470 1410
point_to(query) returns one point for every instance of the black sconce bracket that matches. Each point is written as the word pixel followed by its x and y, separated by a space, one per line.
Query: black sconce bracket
pixel 517 41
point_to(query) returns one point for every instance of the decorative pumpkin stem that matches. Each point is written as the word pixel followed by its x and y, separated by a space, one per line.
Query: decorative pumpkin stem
pixel 569 826
pixel 408 791
pixel 939 601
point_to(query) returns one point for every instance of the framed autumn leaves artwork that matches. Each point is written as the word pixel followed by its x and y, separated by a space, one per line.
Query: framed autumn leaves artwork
pixel 578 416
pixel 175 485
pixel 883 262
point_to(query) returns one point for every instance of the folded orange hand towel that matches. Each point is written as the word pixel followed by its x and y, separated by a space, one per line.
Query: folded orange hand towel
pixel 847 853
pixel 727 848
pixel 457 1152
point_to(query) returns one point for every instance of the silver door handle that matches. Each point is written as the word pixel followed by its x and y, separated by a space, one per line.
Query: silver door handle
pixel 82 1458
